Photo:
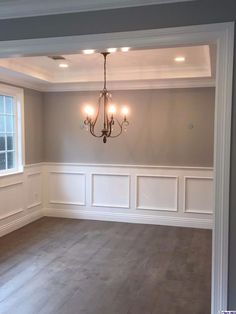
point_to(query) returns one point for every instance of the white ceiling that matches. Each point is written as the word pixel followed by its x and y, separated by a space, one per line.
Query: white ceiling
pixel 24 8
pixel 141 68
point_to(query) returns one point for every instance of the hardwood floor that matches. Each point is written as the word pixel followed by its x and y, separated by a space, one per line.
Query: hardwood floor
pixel 66 266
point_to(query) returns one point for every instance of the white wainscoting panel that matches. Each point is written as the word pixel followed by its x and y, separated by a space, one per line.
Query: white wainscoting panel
pixel 198 195
pixel 110 190
pixel 157 192
pixel 34 190
pixel 12 199
pixel 129 193
pixel 174 196
pixel 20 198
pixel 67 188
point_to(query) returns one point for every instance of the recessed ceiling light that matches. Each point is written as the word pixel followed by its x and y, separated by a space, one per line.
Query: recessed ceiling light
pixel 63 65
pixel 180 59
pixel 111 50
pixel 88 51
pixel 125 49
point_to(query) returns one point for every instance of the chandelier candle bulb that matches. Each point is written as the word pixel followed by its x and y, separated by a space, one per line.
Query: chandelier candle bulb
pixel 112 109
pixel 179 59
pixel 63 65
pixel 125 111
pixel 89 110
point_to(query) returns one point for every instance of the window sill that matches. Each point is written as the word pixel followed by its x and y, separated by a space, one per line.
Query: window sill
pixel 12 173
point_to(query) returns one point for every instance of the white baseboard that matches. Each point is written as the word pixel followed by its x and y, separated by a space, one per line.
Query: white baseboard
pixel 151 219
pixel 17 223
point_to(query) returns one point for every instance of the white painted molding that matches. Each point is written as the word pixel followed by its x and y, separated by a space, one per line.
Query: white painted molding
pixel 115 191
pixel 157 38
pixel 35 173
pixel 138 193
pixel 27 8
pixel 12 213
pixel 62 165
pixel 43 86
pixel 18 96
pixel 147 218
pixel 64 202
pixel 222 144
pixel 194 210
pixel 2 186
pixel 36 195
pixel 22 198
pixel 33 205
pixel 19 222
pixel 130 85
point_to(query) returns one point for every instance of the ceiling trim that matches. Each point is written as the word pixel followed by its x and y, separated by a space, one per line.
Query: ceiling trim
pixel 43 86
pixel 133 85
pixel 27 8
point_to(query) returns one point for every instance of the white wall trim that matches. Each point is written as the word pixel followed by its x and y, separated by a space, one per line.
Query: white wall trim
pixel 147 218
pixel 22 200
pixel 137 206
pixel 16 9
pixel 223 108
pixel 34 173
pixel 2 186
pixel 126 191
pixel 18 96
pixel 33 205
pixel 129 85
pixel 210 212
pixel 94 204
pixel 43 86
pixel 20 222
pixel 12 213
pixel 101 165
pixel 54 201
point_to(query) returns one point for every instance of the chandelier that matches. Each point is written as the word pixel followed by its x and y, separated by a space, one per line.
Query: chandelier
pixel 111 126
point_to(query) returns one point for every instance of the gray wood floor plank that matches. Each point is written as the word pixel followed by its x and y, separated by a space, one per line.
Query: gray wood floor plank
pixel 66 266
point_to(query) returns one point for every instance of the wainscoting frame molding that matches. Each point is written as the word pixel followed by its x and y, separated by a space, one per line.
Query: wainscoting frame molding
pixel 65 202
pixel 108 174
pixel 137 176
pixel 185 195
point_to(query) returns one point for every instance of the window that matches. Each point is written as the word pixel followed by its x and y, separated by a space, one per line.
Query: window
pixel 11 126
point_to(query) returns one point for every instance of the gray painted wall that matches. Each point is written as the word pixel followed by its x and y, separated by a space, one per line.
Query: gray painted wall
pixel 33 126
pixel 158 134
pixel 176 14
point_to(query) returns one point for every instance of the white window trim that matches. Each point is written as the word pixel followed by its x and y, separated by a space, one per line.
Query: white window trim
pixel 18 95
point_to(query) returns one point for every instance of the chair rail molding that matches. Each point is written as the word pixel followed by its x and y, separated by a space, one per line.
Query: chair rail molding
pixel 223 35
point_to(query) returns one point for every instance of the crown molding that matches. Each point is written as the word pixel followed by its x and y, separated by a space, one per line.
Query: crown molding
pixel 27 8
pixel 43 86
pixel 133 85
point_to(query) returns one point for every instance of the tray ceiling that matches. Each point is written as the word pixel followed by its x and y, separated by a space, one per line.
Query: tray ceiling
pixel 140 68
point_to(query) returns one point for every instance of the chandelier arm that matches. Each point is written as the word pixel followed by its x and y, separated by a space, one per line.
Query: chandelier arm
pixel 96 117
pixel 93 124
pixel 110 123
pixel 121 129
pixel 92 131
